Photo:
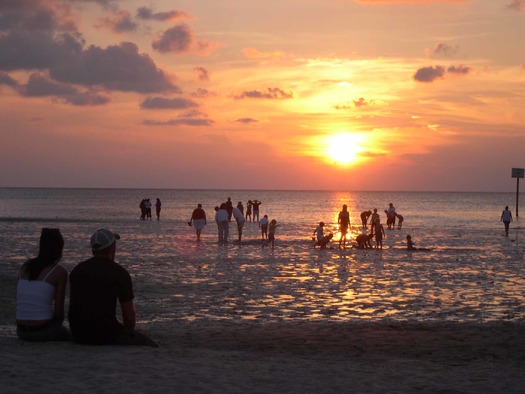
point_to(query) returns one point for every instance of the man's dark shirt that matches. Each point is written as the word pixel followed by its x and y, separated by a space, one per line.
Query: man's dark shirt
pixel 96 284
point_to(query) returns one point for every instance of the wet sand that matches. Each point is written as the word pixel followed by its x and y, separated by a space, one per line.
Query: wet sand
pixel 285 357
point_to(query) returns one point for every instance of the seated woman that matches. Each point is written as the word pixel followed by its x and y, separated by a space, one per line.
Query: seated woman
pixel 41 292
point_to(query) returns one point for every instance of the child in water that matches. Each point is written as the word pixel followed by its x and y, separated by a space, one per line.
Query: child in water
pixel 412 246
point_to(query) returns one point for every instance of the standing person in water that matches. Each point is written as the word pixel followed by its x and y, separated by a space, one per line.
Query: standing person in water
pixel 271 232
pixel 255 208
pixel 506 218
pixel 364 218
pixel 249 210
pixel 239 218
pixel 223 226
pixel 344 222
pixel 229 208
pixel 198 220
pixel 158 206
pixel 374 219
pixel 379 233
pixel 263 225
pixel 240 207
pixel 41 291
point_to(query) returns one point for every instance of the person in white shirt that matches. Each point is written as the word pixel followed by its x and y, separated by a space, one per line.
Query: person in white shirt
pixel 41 292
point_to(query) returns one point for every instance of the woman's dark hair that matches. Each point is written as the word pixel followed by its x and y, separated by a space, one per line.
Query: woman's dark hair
pixel 50 252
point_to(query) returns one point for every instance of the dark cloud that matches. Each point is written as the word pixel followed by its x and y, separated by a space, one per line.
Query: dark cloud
pixel 146 13
pixel 31 50
pixel 189 118
pixel 459 69
pixel 270 93
pixel 119 22
pixel 443 50
pixel 177 39
pixel 40 86
pixel 202 74
pixel 247 120
pixel 5 79
pixel 202 93
pixel 118 67
pixel 180 122
pixel 167 103
pixel 33 37
pixel 429 74
pixel 86 98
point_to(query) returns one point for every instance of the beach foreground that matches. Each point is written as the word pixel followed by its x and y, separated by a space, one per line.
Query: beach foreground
pixel 284 358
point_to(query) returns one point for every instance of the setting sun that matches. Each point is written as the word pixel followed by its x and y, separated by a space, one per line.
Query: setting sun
pixel 344 148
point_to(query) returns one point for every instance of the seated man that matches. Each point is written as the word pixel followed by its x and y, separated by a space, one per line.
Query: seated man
pixel 96 284
pixel 363 241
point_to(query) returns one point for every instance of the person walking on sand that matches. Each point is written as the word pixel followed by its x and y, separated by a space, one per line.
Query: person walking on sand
pixel 379 233
pixel 96 286
pixel 263 225
pixel 158 206
pixel 223 227
pixel 239 218
pixel 41 291
pixel 198 220
pixel 506 218
pixel 344 222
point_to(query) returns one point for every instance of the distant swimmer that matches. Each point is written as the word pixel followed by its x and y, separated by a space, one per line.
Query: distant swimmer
pixel 412 246
pixel 506 218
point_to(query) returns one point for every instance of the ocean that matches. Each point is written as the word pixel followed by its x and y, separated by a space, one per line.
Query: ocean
pixel 472 274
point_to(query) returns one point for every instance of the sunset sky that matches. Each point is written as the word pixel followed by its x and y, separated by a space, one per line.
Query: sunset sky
pixel 424 95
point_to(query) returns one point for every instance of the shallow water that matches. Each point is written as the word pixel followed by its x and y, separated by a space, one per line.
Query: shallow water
pixel 472 274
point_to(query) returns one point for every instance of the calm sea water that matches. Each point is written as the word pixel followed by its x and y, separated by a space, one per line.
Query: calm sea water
pixel 473 273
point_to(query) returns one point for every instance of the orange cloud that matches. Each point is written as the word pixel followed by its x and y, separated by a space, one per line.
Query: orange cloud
pixel 251 53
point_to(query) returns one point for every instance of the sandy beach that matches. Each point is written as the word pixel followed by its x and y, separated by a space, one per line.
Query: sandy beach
pixel 286 357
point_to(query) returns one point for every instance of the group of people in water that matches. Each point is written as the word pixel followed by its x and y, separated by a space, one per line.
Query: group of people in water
pixel 224 213
pixel 145 209
pixel 363 240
